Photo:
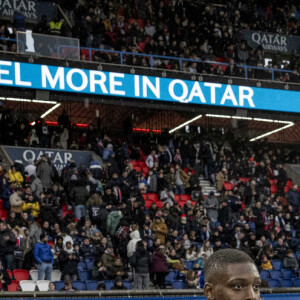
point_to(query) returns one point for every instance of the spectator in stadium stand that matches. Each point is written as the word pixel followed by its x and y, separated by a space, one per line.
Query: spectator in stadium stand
pixel 118 284
pixel 44 258
pixel 293 198
pixel 98 271
pixel 52 287
pixel 141 261
pixel 68 287
pixel 291 262
pixel 16 202
pixel 5 280
pixel 159 267
pixel 44 172
pixel 160 229
pixel 68 261
pixel 15 175
pixel 7 245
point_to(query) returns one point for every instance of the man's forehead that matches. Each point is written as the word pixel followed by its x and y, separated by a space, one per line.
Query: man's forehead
pixel 241 270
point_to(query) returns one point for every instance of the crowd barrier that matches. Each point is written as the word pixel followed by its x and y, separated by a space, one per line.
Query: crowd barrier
pixel 266 294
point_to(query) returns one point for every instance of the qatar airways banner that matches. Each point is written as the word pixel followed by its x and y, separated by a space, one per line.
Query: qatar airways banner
pixel 54 78
pixel 271 41
pixel 59 158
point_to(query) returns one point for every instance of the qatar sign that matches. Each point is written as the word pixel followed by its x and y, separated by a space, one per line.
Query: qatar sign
pixel 74 80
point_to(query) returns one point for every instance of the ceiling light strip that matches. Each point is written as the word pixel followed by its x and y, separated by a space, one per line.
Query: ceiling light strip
pixel 185 123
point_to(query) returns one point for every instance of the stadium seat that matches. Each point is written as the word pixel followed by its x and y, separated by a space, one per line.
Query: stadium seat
pixel 228 186
pixel 127 284
pixel 89 264
pixel 286 283
pixel 3 213
pixel 81 266
pixel 1 203
pixel 188 264
pixel 273 283
pixel 79 285
pixel 153 197
pixel 10 274
pixel 145 170
pixel 264 274
pixel 148 203
pixel 277 264
pixel 287 274
pixel 178 284
pixel 145 196
pixel 142 164
pixel 59 285
pixel 159 204
pixel 27 285
pixel 138 169
pixel 108 284
pixel 84 275
pixel 176 198
pixel 296 282
pixel 171 276
pixel 275 274
pixel 56 275
pixel 20 274
pixel 181 203
pixel 13 287
pixel 274 189
pixel 43 285
pixel 91 285
pixel 185 197
pixel 33 275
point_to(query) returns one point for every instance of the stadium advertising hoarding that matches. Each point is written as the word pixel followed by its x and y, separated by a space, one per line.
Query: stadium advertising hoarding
pixel 54 78
pixel 271 41
pixel 59 158
pixel 31 9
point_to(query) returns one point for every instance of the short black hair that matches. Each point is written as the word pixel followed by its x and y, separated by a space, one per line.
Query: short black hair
pixel 218 262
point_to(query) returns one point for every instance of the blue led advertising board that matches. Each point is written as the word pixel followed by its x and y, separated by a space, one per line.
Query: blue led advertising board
pixel 73 80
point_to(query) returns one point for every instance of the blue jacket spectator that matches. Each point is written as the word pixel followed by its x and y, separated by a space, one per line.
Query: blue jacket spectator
pixel 44 257
pixel 293 197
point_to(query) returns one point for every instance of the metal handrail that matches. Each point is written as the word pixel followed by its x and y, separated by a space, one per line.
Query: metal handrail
pixel 179 59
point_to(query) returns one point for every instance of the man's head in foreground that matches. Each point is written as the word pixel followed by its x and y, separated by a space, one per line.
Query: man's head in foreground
pixel 231 274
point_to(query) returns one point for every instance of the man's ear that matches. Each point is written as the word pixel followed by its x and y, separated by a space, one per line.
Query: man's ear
pixel 208 291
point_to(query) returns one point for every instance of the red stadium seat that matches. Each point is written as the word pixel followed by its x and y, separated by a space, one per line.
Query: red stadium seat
pixel 21 274
pixel 153 197
pixel 177 198
pixel 228 186
pixel 159 204
pixel 10 273
pixel 142 164
pixel 148 203
pixel 13 287
pixel 145 196
pixel 181 203
pixel 1 203
pixel 135 163
pixel 274 189
pixel 3 213
pixel 138 169
pixel 289 183
pixel 185 197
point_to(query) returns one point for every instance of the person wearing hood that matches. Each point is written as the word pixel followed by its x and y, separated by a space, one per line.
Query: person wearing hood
pixel 135 237
pixel 112 222
pixel 36 186
pixel 30 169
pixel 44 258
pixel 211 204
pixel 118 284
pixel 68 261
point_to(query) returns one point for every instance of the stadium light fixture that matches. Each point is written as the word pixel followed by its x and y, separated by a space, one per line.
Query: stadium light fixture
pixel 27 100
pixel 287 124
pixel 48 112
pixel 185 123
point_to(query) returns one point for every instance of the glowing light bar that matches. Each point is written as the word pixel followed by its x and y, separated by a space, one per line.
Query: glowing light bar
pixel 263 120
pixel 185 123
pixel 273 131
pixel 241 118
pixel 50 110
pixel 27 100
pixel 146 130
pixel 218 116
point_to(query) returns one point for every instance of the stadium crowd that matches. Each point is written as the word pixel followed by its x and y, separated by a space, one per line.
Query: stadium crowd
pixel 141 215
pixel 185 29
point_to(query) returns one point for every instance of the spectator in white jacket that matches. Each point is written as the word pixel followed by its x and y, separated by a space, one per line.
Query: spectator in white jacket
pixel 131 247
pixel 151 159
